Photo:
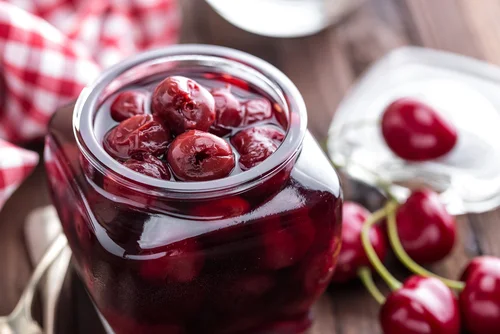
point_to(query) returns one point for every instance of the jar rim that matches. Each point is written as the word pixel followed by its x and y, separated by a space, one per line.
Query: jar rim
pixel 88 102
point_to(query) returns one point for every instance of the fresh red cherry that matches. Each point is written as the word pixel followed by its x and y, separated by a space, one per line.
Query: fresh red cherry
pixel 183 104
pixel 257 109
pixel 480 299
pixel 423 305
pixel 426 230
pixel 227 108
pixel 200 156
pixel 149 165
pixel 137 135
pixel 479 263
pixel 179 262
pixel 127 104
pixel 352 254
pixel 415 131
pixel 256 144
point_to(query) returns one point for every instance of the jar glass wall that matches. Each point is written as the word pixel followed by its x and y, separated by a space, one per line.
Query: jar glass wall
pixel 248 253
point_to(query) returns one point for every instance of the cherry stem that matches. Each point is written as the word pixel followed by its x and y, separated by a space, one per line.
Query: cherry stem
pixel 391 281
pixel 407 260
pixel 365 275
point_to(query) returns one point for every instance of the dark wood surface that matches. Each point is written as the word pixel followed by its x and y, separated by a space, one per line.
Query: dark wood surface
pixel 323 67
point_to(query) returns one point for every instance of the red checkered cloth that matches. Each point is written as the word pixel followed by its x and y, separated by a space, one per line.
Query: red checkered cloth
pixel 15 165
pixel 50 49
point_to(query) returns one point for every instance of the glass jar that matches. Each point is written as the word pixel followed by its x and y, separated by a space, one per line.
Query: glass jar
pixel 249 253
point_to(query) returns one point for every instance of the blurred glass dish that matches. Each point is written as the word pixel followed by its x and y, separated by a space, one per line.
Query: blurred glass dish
pixel 464 90
pixel 283 18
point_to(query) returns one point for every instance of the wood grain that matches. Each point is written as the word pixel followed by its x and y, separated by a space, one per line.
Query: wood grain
pixel 323 67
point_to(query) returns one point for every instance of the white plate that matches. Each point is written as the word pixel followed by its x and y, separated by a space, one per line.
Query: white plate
pixel 464 90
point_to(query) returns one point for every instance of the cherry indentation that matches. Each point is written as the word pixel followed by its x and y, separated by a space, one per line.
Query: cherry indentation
pixel 127 104
pixel 200 156
pixel 415 131
pixel 149 165
pixel 137 135
pixel 183 104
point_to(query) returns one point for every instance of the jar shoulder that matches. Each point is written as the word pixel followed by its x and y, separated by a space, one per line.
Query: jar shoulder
pixel 313 169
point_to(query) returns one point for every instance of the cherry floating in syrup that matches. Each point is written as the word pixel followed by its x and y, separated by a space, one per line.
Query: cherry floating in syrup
pixel 137 135
pixel 127 104
pixel 256 144
pixel 148 165
pixel 229 113
pixel 200 156
pixel 183 105
pixel 256 110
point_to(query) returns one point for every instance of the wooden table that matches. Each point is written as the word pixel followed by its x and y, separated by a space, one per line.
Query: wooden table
pixel 323 67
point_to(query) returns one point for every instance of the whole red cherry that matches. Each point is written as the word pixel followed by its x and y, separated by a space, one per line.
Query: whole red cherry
pixel 426 230
pixel 257 109
pixel 229 113
pixel 415 131
pixel 149 165
pixel 183 104
pixel 479 263
pixel 200 156
pixel 480 299
pixel 423 305
pixel 256 144
pixel 352 254
pixel 137 135
pixel 127 104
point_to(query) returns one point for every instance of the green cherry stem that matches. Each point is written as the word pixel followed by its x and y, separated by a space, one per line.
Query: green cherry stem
pixel 407 260
pixel 391 281
pixel 365 275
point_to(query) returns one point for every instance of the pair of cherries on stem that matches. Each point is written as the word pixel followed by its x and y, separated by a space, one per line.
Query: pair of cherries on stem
pixel 421 304
pixel 425 303
pixel 479 287
pixel 428 233
pixel 426 230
